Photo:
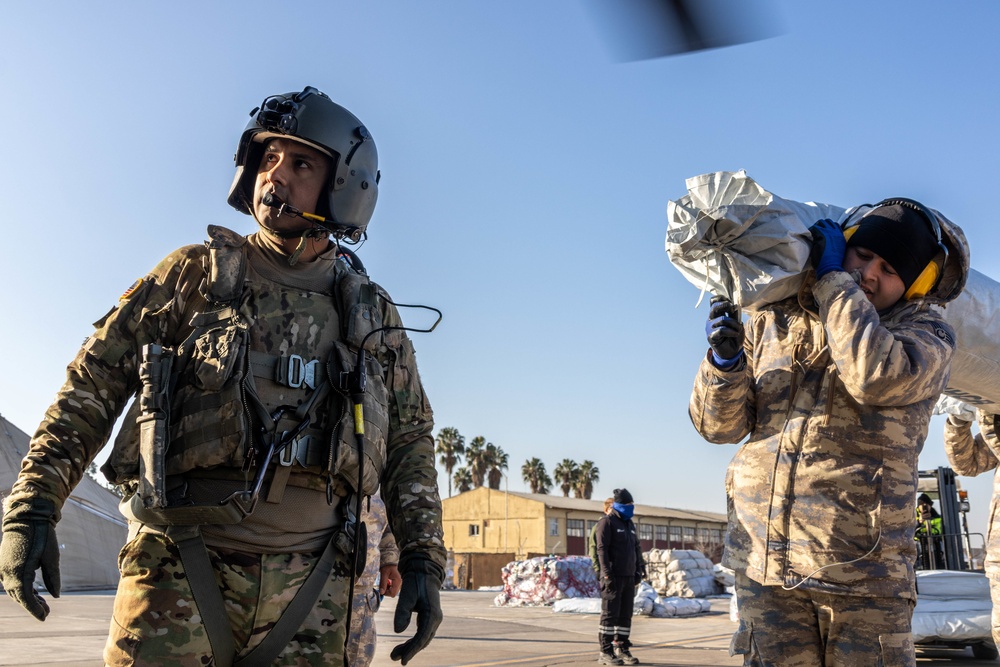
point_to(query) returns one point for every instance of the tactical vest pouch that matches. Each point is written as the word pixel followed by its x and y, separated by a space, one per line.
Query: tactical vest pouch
pixel 208 410
pixel 219 349
pixel 357 303
pixel 344 456
pixel 226 267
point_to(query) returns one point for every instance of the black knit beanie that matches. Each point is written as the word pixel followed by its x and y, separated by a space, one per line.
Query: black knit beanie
pixel 623 497
pixel 899 235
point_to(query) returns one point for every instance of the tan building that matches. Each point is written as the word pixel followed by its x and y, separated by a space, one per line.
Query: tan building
pixel 530 524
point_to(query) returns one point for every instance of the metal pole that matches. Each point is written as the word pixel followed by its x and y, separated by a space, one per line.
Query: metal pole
pixel 506 513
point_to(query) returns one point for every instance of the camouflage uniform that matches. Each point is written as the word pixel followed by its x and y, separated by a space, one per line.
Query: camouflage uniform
pixel 970 456
pixel 382 551
pixel 286 311
pixel 836 401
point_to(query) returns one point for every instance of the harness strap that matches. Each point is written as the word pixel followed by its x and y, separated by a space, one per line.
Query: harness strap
pixel 205 590
pixel 208 597
pixel 295 613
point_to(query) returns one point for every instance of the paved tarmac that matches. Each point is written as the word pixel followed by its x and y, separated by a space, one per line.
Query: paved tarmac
pixel 474 634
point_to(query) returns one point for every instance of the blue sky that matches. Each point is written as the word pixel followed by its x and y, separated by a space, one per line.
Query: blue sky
pixel 526 171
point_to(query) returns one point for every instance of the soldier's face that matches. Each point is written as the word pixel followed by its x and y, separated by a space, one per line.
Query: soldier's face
pixel 296 174
pixel 879 281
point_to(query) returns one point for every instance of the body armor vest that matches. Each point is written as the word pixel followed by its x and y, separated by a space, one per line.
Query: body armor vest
pixel 260 346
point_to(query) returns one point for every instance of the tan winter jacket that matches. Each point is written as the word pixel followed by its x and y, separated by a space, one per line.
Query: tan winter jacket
pixel 834 402
pixel 973 455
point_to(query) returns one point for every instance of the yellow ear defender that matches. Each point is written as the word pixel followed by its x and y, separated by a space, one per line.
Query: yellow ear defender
pixel 931 274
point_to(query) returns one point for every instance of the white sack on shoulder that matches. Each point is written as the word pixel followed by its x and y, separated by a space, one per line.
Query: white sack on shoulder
pixel 730 236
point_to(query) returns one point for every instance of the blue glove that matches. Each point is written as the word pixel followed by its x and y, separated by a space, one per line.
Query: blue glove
pixel 724 331
pixel 828 248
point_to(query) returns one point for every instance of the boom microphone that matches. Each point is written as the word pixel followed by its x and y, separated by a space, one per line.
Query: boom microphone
pixel 340 231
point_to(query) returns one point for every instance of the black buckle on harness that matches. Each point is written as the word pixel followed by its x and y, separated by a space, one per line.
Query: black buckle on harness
pixel 246 501
pixel 304 450
pixel 296 372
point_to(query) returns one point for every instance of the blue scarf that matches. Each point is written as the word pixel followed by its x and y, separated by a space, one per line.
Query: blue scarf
pixel 624 510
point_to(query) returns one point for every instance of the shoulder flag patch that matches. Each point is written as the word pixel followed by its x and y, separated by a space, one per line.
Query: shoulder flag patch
pixel 131 290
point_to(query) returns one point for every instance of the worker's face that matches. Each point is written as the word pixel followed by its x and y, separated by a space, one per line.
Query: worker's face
pixel 879 281
pixel 924 507
pixel 296 174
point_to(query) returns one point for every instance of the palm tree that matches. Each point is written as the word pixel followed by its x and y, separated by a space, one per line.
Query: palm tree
pixel 450 447
pixel 566 473
pixel 497 460
pixel 475 459
pixel 534 475
pixel 587 476
pixel 463 479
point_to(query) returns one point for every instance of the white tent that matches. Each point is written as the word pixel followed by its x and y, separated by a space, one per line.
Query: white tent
pixel 91 531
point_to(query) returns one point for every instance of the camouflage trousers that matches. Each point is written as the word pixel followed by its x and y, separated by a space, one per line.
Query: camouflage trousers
pixel 808 628
pixel 995 614
pixel 155 620
pixel 361 642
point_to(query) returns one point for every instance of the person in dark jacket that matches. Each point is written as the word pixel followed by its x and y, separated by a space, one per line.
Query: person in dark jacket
pixel 592 539
pixel 621 569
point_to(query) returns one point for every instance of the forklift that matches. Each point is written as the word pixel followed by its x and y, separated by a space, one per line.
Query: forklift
pixel 953 595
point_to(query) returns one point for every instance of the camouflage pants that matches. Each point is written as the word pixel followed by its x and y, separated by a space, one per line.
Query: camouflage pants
pixel 995 614
pixel 155 621
pixel 808 628
pixel 361 643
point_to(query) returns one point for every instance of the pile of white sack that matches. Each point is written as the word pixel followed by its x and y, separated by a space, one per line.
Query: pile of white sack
pixel 727 579
pixel 546 579
pixel 647 603
pixel 682 573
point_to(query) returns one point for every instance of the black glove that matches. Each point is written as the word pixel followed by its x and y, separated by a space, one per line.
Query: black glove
pixel 828 248
pixel 725 332
pixel 29 542
pixel 421 593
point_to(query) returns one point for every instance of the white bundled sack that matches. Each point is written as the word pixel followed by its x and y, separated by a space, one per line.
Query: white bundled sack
pixel 543 580
pixel 975 369
pixel 577 606
pixel 647 603
pixel 680 573
pixel 952 606
pixel 730 236
pixel 725 576
pixel 676 607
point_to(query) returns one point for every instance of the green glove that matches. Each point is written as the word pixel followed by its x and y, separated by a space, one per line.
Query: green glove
pixel 421 593
pixel 29 542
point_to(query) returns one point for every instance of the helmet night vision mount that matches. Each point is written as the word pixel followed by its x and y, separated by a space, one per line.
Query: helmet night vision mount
pixel 315 120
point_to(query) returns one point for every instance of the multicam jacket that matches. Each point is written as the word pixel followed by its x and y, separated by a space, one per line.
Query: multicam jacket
pixel 159 309
pixel 835 402
pixel 973 455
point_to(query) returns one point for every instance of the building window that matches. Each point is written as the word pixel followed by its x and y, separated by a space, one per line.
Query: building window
pixel 703 534
pixel 554 527
pixel 590 526
pixel 574 527
pixel 675 534
pixel 716 536
pixel 645 531
pixel 473 529
pixel 661 533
